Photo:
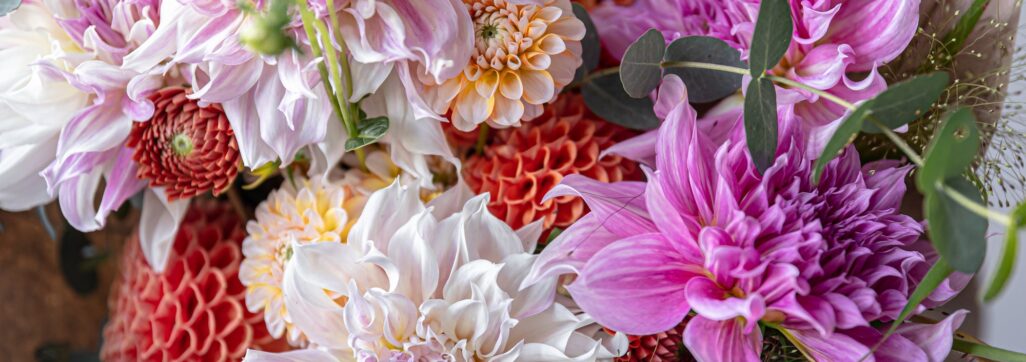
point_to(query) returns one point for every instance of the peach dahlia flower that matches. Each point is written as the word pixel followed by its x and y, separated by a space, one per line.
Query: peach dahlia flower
pixel 524 54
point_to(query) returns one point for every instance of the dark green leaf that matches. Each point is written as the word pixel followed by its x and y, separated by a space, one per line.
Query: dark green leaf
pixel 985 351
pixel 7 6
pixel 843 136
pixel 604 95
pixel 591 48
pixel 937 274
pixel 906 101
pixel 641 69
pixel 958 235
pixel 1008 254
pixel 370 131
pixel 952 150
pixel 705 85
pixel 761 122
pixel 772 36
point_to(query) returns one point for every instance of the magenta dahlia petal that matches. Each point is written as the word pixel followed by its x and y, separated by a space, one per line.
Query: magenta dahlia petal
pixel 811 24
pixel 635 285
pixel 935 339
pixel 877 30
pixel 824 66
pixel 624 201
pixel 710 340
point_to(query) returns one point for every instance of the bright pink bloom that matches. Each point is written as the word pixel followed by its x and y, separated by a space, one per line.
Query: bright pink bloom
pixel 707 233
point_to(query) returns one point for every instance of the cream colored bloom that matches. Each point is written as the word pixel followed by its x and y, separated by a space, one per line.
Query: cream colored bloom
pixel 35 102
pixel 437 281
pixel 315 212
pixel 524 55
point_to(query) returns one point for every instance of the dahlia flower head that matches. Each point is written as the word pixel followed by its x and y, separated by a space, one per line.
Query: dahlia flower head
pixel 195 309
pixel 301 212
pixel 435 281
pixel 708 234
pixel 518 166
pixel 837 45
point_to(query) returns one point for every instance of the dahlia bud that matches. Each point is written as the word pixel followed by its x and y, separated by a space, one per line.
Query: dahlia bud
pixel 185 148
pixel 264 33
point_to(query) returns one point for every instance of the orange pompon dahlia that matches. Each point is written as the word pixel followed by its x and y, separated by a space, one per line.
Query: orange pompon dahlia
pixel 518 166
pixel 185 148
pixel 524 54
pixel 195 310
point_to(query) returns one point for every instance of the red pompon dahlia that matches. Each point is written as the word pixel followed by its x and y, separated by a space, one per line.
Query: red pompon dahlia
pixel 195 310
pixel 185 148
pixel 667 346
pixel 519 165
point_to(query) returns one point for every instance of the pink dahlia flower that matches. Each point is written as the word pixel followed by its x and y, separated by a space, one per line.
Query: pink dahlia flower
pixel 708 234
pixel 831 40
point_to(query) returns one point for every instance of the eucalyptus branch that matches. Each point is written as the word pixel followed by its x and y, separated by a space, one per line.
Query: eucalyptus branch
pixel 905 148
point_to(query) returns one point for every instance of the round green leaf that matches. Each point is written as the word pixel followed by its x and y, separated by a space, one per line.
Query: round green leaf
pixel 761 122
pixel 958 235
pixel 604 95
pixel 772 35
pixel 704 85
pixel 953 149
pixel 7 6
pixel 906 101
pixel 641 69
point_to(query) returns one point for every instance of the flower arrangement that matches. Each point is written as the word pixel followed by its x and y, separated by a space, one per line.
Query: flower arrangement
pixel 510 180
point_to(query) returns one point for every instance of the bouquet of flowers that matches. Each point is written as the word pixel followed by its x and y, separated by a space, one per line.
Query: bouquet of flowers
pixel 515 180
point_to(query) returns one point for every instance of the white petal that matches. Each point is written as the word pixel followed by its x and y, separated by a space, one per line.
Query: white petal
pixel 158 226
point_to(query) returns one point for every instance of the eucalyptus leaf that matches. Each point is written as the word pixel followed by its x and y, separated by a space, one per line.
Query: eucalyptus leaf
pixel 604 95
pixel 369 131
pixel 641 66
pixel 907 101
pixel 761 122
pixel 843 136
pixel 1008 254
pixel 958 234
pixel 771 37
pixel 953 149
pixel 591 48
pixel 704 85
pixel 7 6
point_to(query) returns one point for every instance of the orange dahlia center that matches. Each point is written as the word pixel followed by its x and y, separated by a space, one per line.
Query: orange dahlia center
pixel 185 148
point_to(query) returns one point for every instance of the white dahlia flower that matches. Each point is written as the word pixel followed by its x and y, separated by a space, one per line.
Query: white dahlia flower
pixel 432 282
pixel 35 103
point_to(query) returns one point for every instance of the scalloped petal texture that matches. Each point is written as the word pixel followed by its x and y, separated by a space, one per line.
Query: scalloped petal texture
pixel 195 310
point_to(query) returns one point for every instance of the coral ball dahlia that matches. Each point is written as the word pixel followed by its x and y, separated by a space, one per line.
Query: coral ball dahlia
pixel 519 165
pixel 193 310
pixel 524 53
pixel 185 148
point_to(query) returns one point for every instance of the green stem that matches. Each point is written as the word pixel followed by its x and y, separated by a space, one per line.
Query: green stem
pixel 338 99
pixel 985 351
pixel 710 66
pixel 482 138
pixel 898 141
pixel 315 48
